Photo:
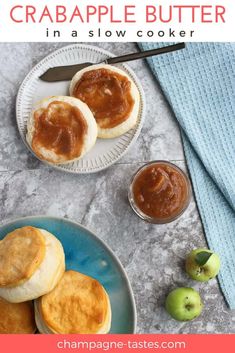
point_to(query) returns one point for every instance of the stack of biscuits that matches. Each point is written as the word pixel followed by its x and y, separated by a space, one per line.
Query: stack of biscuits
pixel 32 268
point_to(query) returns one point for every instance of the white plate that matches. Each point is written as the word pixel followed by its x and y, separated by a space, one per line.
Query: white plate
pixel 105 152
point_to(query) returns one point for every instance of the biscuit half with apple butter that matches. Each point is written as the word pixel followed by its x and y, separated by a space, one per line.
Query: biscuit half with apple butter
pixel 61 129
pixel 111 95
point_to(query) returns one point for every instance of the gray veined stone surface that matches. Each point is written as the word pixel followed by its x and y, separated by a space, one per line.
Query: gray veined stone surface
pixel 153 255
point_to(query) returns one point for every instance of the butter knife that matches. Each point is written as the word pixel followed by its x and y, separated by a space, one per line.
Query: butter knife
pixel 64 73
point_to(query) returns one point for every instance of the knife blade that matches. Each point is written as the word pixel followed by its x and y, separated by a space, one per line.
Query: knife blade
pixel 62 73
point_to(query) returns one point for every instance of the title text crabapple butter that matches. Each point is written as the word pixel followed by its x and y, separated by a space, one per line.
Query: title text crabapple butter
pixel 92 14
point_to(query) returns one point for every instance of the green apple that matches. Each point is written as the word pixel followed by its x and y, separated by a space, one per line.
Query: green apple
pixel 202 264
pixel 184 304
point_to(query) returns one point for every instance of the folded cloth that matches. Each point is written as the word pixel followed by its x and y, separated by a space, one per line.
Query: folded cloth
pixel 199 84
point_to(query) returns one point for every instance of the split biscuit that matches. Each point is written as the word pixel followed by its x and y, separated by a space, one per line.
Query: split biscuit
pixel 112 96
pixel 61 129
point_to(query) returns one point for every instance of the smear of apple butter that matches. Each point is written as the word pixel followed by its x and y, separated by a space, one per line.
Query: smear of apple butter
pixel 59 128
pixel 107 94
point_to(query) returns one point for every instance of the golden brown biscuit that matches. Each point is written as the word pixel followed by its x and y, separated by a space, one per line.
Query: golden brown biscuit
pixel 46 276
pixel 78 304
pixel 16 318
pixel 21 253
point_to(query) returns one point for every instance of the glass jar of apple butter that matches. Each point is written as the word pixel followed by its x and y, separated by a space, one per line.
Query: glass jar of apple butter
pixel 159 192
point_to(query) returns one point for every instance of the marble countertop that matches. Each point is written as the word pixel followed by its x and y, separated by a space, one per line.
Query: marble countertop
pixel 153 255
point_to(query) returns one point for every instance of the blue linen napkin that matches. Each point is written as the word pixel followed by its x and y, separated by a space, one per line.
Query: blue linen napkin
pixel 199 84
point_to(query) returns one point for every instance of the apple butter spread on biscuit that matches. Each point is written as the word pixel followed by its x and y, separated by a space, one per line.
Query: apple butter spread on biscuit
pixel 60 128
pixel 108 95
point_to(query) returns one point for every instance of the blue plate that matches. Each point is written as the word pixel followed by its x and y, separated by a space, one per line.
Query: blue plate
pixel 87 254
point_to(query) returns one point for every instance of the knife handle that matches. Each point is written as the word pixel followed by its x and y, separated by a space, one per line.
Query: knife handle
pixel 145 54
